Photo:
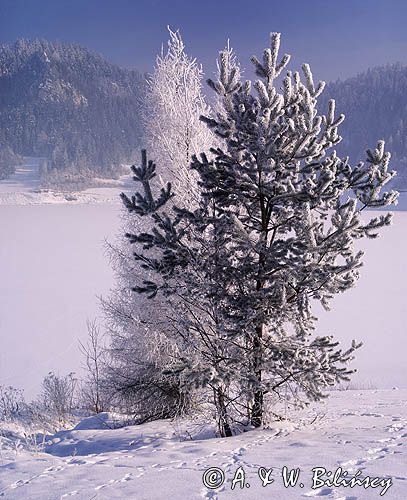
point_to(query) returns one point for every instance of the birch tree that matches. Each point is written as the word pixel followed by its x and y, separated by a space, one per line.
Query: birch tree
pixel 174 102
pixel 140 349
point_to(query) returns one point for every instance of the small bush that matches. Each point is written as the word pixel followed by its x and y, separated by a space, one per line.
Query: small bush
pixel 58 397
pixel 11 402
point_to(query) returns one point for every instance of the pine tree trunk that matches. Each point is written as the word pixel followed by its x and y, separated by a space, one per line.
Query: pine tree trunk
pixel 258 396
pixel 257 408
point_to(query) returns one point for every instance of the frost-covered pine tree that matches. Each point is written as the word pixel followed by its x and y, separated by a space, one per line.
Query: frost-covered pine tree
pixel 273 234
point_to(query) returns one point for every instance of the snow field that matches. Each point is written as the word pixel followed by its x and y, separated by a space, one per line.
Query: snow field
pixel 355 430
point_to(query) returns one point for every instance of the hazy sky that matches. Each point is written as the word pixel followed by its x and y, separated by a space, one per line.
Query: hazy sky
pixel 338 38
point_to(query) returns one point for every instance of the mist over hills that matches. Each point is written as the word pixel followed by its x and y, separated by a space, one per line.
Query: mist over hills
pixel 68 105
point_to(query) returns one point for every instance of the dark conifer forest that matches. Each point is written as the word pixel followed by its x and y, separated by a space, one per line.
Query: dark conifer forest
pixel 375 105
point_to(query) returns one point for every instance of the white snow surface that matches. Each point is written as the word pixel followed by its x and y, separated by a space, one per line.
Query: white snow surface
pixel 53 268
pixel 23 188
pixel 355 430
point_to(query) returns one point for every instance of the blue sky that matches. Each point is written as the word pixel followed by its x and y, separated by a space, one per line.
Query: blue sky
pixel 338 38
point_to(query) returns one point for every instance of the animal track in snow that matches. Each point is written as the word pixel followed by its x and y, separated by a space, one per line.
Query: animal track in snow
pixel 127 477
pixel 379 453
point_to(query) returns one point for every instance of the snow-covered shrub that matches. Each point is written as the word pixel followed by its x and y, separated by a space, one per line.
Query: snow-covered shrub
pixel 57 399
pixel 92 392
pixel 11 402
pixel 140 381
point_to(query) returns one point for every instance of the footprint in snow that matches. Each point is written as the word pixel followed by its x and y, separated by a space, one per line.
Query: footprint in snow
pixel 181 465
pixel 212 494
pixel 101 486
pixel 144 446
pixel 55 468
pixel 77 461
pixel 376 450
pixel 321 492
pixel 357 461
pixel 19 483
pixel 124 479
pixel 384 440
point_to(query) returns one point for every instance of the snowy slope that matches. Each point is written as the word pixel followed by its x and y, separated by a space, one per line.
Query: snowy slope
pixel 353 430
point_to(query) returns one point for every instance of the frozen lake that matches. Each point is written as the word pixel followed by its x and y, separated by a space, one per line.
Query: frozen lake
pixel 53 267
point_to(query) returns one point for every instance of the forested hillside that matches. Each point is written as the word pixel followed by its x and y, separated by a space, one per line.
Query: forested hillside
pixel 83 114
pixel 375 106
pixel 66 104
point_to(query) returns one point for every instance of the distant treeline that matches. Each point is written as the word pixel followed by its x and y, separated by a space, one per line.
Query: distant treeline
pixel 68 105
